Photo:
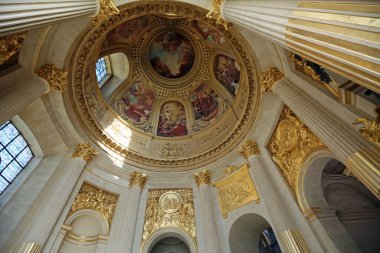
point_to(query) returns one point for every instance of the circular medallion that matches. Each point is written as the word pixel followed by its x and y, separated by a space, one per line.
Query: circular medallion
pixel 170 202
pixel 171 54
pixel 287 135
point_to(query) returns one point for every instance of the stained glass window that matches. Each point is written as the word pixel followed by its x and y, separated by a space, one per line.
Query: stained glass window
pixel 101 69
pixel 15 154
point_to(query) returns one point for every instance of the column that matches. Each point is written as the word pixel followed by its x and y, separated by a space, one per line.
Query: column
pixel 203 180
pixel 360 156
pixel 22 15
pixel 127 233
pixel 16 96
pixel 71 167
pixel 343 37
pixel 291 239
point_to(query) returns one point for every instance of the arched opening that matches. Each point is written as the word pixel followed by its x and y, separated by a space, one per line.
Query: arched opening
pixel 170 245
pixel 252 233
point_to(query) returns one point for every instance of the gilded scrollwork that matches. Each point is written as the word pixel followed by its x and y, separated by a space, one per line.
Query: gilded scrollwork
pixel 57 78
pixel 202 177
pixel 93 198
pixel 169 208
pixel 106 11
pixel 268 78
pixel 215 14
pixel 249 148
pixel 86 151
pixel 235 189
pixel 370 128
pixel 10 45
pixel 290 143
pixel 138 179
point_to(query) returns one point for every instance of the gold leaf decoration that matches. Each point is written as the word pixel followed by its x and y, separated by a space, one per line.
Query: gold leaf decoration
pixel 268 78
pixel 57 78
pixel 249 148
pixel 10 45
pixel 215 14
pixel 93 198
pixel 202 177
pixel 290 143
pixel 86 151
pixel 138 179
pixel 107 10
pixel 169 208
pixel 370 128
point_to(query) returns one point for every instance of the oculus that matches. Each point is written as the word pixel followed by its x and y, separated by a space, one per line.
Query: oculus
pixel 171 54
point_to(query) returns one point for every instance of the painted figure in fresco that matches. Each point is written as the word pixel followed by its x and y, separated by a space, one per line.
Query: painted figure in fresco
pixel 208 33
pixel 227 71
pixel 138 101
pixel 205 104
pixel 171 55
pixel 172 121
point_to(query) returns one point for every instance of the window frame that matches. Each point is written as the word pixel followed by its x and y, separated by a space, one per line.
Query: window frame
pixel 108 70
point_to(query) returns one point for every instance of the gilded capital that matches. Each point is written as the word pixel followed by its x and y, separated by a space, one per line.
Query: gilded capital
pixel 268 78
pixel 370 128
pixel 138 179
pixel 202 177
pixel 10 45
pixel 215 14
pixel 249 149
pixel 86 151
pixel 57 78
pixel 107 10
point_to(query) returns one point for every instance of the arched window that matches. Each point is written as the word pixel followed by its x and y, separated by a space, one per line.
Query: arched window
pixel 101 69
pixel 15 154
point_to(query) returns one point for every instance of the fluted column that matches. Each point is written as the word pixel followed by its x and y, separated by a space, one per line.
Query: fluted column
pixel 36 235
pixel 22 15
pixel 128 228
pixel 360 156
pixel 343 37
pixel 291 238
pixel 203 180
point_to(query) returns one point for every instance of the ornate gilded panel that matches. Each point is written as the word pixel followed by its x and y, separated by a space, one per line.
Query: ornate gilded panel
pixel 291 142
pixel 235 189
pixel 91 197
pixel 169 208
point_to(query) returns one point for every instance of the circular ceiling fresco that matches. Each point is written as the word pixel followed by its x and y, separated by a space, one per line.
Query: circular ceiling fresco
pixel 180 90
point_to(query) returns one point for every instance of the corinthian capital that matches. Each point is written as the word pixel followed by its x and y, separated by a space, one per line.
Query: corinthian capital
pixel 86 151
pixel 138 179
pixel 268 78
pixel 215 14
pixel 57 78
pixel 10 45
pixel 249 148
pixel 107 10
pixel 202 177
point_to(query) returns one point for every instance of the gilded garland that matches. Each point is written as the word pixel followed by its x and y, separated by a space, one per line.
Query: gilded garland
pixel 291 142
pixel 86 106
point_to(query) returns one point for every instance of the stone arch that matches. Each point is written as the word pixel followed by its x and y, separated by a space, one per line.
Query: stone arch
pixel 168 232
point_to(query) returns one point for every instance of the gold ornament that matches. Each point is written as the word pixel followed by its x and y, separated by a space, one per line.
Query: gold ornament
pixel 235 189
pixel 169 208
pixel 10 45
pixel 293 241
pixel 370 128
pixel 57 78
pixel 138 179
pixel 86 151
pixel 107 10
pixel 268 78
pixel 91 197
pixel 249 148
pixel 202 177
pixel 290 143
pixel 215 14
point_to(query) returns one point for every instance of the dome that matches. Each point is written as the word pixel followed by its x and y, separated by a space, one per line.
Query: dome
pixel 181 91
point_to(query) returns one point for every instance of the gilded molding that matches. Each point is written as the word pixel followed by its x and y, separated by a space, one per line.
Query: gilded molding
pixel 93 198
pixel 10 45
pixel 235 189
pixel 202 177
pixel 215 14
pixel 293 241
pixel 57 78
pixel 291 142
pixel 86 151
pixel 370 128
pixel 138 179
pixel 268 78
pixel 27 247
pixel 169 208
pixel 107 10
pixel 249 149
